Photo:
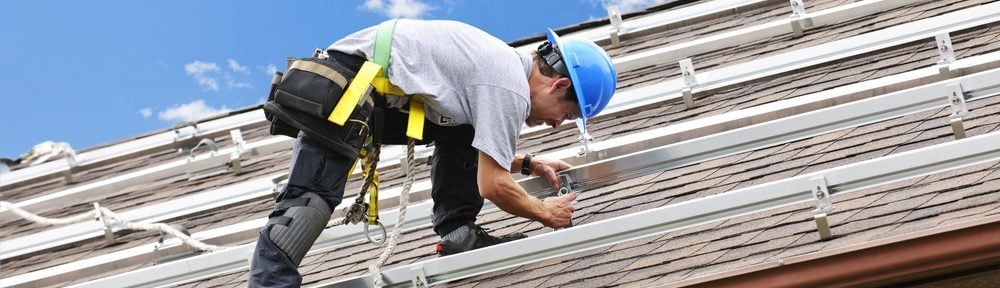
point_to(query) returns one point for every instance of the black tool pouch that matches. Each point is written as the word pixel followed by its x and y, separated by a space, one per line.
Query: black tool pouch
pixel 302 100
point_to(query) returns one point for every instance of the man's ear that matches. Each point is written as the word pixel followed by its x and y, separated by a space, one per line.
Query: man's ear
pixel 562 85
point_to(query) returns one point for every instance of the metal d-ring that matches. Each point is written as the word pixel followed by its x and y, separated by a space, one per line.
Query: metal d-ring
pixel 369 236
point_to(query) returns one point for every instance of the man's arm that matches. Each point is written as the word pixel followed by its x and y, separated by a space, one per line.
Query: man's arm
pixel 496 184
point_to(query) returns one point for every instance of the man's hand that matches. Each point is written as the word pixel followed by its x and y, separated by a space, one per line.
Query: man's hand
pixel 547 168
pixel 560 210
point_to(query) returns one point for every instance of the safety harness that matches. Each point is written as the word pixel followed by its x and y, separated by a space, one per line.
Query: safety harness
pixel 304 102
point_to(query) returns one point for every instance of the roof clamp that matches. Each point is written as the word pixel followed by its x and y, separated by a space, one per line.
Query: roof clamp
pixel 690 81
pixel 959 109
pixel 418 277
pixel 163 235
pixel 946 50
pixel 181 134
pixel 109 235
pixel 799 21
pixel 71 163
pixel 234 158
pixel 615 16
pixel 202 174
pixel 821 193
pixel 565 185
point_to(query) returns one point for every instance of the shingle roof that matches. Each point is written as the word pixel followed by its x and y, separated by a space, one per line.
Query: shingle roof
pixel 877 212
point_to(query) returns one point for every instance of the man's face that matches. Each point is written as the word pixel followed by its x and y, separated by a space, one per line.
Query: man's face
pixel 552 110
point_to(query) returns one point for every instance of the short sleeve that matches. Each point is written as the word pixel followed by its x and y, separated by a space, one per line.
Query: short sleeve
pixel 497 116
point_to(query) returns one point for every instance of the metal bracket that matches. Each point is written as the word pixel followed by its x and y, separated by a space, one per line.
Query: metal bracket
pixel 181 134
pixel 821 193
pixel 71 163
pixel 236 156
pixel 946 50
pixel 690 81
pixel 798 20
pixel 418 277
pixel 201 174
pixel 615 16
pixel 585 138
pixel 565 184
pixel 109 235
pixel 959 109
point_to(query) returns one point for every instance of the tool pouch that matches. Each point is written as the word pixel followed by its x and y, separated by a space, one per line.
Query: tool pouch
pixel 303 98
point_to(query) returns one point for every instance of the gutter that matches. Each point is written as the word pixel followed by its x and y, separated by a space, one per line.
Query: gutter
pixel 894 260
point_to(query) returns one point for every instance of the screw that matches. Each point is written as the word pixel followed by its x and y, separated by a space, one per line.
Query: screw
pixel 819 192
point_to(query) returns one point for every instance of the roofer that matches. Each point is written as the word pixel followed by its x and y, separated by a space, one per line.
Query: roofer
pixel 476 92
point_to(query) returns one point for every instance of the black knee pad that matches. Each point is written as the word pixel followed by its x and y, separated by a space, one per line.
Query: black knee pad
pixel 297 223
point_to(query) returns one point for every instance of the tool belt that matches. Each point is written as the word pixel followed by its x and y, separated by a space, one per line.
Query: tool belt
pixel 303 98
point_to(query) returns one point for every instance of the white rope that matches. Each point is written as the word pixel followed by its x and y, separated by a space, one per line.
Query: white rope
pixel 404 198
pixel 113 219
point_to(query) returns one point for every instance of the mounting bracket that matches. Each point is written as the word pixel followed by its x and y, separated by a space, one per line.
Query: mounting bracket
pixel 109 235
pixel 821 193
pixel 959 109
pixel 615 16
pixel 418 277
pixel 236 156
pixel 946 50
pixel 181 134
pixel 690 80
pixel 798 20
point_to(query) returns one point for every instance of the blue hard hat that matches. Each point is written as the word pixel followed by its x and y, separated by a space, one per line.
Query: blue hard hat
pixel 590 68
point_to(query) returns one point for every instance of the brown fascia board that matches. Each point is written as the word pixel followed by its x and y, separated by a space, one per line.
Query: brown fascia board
pixel 948 249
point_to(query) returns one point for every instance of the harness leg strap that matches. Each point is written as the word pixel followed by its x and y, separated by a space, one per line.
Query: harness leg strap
pixel 297 224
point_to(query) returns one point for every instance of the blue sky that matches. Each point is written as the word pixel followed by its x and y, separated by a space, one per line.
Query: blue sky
pixel 92 72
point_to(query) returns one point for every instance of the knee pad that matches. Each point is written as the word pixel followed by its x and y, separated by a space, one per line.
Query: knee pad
pixel 296 223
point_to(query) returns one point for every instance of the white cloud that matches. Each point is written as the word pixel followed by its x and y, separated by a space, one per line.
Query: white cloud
pixel 236 67
pixel 399 8
pixel 232 83
pixel 626 6
pixel 270 69
pixel 200 70
pixel 146 112
pixel 190 111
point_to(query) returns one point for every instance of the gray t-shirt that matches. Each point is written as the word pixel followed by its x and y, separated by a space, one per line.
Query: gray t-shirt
pixel 464 75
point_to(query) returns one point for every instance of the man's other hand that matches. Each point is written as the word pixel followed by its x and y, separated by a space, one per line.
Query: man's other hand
pixel 560 210
pixel 547 168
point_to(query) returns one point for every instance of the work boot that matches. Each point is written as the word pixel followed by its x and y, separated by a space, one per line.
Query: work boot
pixel 471 237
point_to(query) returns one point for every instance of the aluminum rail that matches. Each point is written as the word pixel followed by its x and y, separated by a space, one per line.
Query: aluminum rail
pixel 606 149
pixel 101 189
pixel 161 139
pixel 747 35
pixel 840 180
pixel 654 21
pixel 798 59
pixel 977 86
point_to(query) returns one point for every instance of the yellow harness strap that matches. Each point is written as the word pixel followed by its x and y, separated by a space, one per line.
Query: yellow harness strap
pixel 373 74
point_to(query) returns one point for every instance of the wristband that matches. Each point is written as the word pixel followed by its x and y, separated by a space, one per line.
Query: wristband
pixel 526 165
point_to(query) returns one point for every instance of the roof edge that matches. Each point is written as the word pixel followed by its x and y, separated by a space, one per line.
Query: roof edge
pixel 948 249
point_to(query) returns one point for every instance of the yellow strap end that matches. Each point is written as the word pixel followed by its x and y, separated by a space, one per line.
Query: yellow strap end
pixel 415 125
pixel 347 103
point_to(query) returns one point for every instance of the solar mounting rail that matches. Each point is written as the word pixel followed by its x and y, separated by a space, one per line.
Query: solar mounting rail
pixel 799 189
pixel 262 187
pixel 623 161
